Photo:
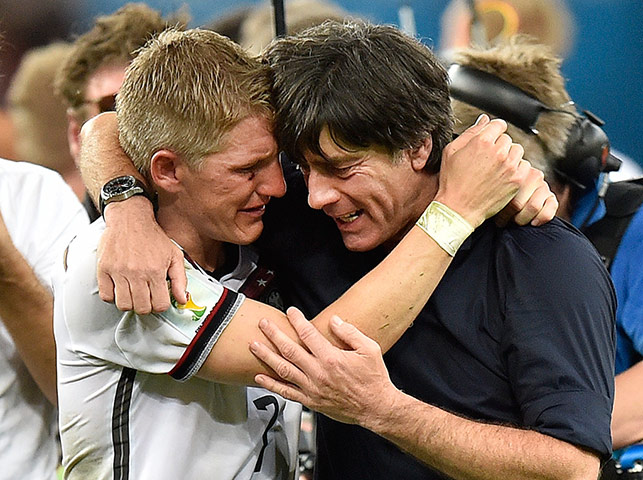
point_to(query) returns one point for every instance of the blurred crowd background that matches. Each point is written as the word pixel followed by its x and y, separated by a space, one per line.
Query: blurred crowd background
pixel 602 45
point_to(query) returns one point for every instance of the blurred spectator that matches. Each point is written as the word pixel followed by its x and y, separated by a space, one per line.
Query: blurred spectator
pixel 93 72
pixel 230 23
pixel 535 69
pixel 39 116
pixel 549 21
pixel 258 29
pixel 7 136
pixel 26 24
pixel 39 215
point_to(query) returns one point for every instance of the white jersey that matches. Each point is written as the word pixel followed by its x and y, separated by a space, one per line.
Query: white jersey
pixel 41 214
pixel 130 407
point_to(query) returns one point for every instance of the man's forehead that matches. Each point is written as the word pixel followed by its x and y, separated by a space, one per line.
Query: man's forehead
pixel 331 150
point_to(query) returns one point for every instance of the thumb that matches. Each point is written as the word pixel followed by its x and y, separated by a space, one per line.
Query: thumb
pixel 178 279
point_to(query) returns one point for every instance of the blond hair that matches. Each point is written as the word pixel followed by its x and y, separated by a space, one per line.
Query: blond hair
pixel 184 92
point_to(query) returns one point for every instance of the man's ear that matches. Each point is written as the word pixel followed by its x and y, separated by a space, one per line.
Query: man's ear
pixel 418 156
pixel 164 170
pixel 73 135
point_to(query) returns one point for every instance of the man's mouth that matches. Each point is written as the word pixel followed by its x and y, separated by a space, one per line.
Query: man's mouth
pixel 257 209
pixel 349 217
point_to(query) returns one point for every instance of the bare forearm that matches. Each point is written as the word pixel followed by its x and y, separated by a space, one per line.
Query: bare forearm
pixel 470 450
pixel 101 157
pixel 386 301
pixel 382 304
pixel 627 417
pixel 26 309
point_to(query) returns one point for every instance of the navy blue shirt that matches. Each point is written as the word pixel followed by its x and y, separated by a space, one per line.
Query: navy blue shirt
pixel 520 331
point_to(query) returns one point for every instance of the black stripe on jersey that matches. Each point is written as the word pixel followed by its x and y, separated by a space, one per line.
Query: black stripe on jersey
pixel 120 424
pixel 207 330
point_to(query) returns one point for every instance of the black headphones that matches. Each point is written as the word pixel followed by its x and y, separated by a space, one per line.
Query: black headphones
pixel 587 152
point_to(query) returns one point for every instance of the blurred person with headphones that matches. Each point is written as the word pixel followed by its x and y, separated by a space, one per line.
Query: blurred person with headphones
pixel 483 23
pixel 521 83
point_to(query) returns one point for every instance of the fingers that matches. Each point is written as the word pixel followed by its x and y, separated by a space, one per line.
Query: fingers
pixel 351 336
pixel 528 180
pixel 178 281
pixel 105 287
pixel 470 132
pixel 493 133
pixel 122 294
pixel 548 211
pixel 534 203
pixel 281 388
pixel 307 333
pixel 291 351
pixel 160 295
pixel 140 296
pixel 534 206
pixel 284 369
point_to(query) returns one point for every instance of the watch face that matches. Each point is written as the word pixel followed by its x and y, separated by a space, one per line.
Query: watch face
pixel 118 185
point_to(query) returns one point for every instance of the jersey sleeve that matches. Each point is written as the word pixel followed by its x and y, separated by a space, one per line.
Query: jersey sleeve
pixel 186 333
pixel 559 336
pixel 42 216
pixel 177 341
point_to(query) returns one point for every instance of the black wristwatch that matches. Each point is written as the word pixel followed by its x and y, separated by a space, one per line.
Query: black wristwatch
pixel 122 188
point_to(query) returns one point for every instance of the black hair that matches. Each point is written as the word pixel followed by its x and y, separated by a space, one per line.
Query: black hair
pixel 371 85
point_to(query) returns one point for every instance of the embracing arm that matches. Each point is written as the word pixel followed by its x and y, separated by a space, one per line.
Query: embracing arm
pixel 101 157
pixel 387 300
pixel 377 305
pixel 136 278
pixel 24 297
pixel 135 253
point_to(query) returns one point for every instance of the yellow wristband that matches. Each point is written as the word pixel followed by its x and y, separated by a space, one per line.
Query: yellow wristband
pixel 446 227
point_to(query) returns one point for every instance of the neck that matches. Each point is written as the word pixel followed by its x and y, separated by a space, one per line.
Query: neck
pixel 206 252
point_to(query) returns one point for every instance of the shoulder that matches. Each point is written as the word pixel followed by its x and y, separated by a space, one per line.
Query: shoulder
pixel 553 241
pixel 28 173
pixel 26 188
pixel 551 261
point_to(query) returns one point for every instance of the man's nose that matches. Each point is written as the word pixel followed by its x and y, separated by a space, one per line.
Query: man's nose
pixel 321 189
pixel 272 181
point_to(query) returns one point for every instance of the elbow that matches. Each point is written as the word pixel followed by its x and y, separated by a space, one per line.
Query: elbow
pixel 626 432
